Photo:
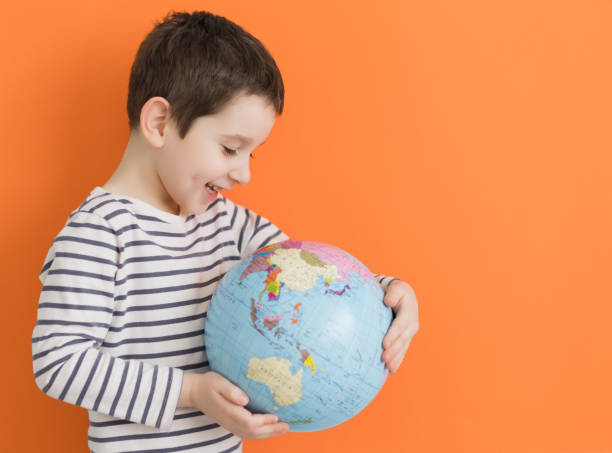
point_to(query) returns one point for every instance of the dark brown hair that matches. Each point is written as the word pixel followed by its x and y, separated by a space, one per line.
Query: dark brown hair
pixel 199 62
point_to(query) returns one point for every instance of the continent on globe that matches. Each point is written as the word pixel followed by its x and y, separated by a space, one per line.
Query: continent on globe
pixel 285 387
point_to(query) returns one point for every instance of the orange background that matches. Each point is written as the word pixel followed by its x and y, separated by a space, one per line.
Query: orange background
pixel 463 146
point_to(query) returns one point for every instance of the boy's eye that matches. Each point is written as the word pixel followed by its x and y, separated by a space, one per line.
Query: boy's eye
pixel 230 151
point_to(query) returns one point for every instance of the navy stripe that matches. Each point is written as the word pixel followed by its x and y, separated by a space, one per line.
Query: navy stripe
pixel 262 227
pixel 183 248
pixel 179 336
pixel 72 375
pixel 127 422
pixel 256 225
pixel 70 289
pixel 104 384
pixel 193 270
pixel 74 307
pixel 59 322
pixel 166 395
pixel 89 378
pixel 242 230
pixel 91 226
pixel 117 212
pixel 162 306
pixel 194 366
pixel 176 248
pixel 181 432
pixel 264 243
pixel 46 266
pixel 144 259
pixel 89 242
pixel 234 215
pixel 51 365
pixel 168 289
pixel 106 278
pixel 196 227
pixel 157 355
pixel 79 256
pixel 126 365
pixel 186 447
pixel 150 398
pixel 66 334
pixel 50 383
pixel 99 205
pixel 188 415
pixel 162 322
pixel 44 353
pixel 136 388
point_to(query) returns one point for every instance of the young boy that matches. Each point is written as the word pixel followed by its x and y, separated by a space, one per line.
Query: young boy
pixel 128 280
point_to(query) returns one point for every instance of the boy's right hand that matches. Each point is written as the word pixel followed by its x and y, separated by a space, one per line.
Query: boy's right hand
pixel 218 398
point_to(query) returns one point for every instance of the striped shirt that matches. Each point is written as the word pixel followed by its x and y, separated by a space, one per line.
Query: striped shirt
pixel 121 316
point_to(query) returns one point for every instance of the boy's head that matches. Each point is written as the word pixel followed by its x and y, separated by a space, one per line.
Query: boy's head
pixel 205 93
pixel 199 62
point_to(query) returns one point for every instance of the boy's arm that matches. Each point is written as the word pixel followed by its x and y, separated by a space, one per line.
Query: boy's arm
pixel 253 231
pixel 75 309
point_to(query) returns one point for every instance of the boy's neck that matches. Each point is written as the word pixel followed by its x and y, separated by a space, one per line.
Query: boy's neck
pixel 137 177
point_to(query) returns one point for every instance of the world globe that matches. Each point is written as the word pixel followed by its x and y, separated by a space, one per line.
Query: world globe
pixel 299 327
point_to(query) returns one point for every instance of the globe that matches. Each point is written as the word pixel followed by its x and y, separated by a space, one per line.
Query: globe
pixel 299 327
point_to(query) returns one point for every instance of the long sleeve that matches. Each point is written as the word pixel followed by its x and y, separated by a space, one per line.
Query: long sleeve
pixel 75 311
pixel 254 231
pixel 384 281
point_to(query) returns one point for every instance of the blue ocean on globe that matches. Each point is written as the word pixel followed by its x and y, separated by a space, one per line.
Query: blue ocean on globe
pixel 299 327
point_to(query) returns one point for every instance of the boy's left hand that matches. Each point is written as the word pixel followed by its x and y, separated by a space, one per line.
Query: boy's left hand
pixel 402 300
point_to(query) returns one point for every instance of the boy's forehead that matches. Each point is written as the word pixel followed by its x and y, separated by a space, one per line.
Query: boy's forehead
pixel 247 120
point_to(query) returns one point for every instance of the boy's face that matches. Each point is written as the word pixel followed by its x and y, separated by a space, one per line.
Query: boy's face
pixel 211 155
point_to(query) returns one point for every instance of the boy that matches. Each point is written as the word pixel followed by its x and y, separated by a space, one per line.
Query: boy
pixel 128 280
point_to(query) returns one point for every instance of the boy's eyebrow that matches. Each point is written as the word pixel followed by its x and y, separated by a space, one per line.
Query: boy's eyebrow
pixel 241 138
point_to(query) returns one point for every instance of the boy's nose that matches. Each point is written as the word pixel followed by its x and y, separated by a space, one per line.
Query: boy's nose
pixel 241 174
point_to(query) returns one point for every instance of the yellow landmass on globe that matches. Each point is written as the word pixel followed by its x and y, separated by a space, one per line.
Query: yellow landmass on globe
pixel 298 273
pixel 275 373
pixel 310 362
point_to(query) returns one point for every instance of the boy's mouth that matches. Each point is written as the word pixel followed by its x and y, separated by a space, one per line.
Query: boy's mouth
pixel 211 188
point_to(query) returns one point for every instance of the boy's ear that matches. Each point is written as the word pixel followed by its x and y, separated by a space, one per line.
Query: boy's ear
pixel 154 119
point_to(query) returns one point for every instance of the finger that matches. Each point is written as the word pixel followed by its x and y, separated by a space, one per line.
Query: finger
pixel 398 327
pixel 392 334
pixel 395 361
pixel 233 394
pixel 265 419
pixel 397 348
pixel 392 296
pixel 274 429
pixel 265 425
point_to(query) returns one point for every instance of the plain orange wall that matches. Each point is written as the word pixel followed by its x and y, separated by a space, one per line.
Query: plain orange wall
pixel 463 146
